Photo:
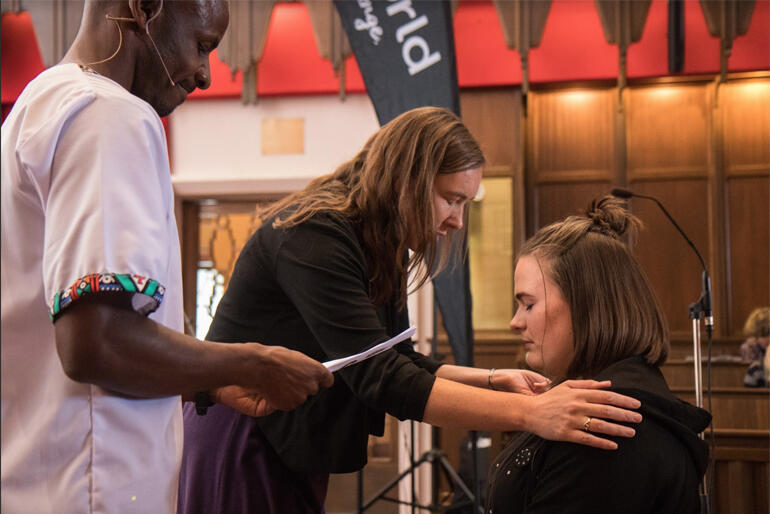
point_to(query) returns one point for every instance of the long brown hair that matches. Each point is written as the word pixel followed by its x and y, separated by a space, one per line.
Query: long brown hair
pixel 615 313
pixel 387 190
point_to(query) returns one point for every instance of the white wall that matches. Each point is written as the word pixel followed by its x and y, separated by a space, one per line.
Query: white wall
pixel 216 144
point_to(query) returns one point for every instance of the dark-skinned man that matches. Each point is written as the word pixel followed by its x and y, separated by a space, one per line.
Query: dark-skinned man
pixel 93 360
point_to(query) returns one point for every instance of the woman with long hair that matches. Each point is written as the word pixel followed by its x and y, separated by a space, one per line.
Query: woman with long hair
pixel 326 274
pixel 587 310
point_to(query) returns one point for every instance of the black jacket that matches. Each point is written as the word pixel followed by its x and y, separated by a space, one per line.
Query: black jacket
pixel 655 472
pixel 307 288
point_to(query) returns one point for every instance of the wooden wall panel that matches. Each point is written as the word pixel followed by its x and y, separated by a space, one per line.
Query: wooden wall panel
pixel 555 201
pixel 745 108
pixel 746 126
pixel 670 263
pixel 492 116
pixel 667 131
pixel 748 206
pixel 570 152
pixel 572 130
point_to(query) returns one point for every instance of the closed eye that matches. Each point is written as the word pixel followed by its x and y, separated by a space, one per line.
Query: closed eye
pixel 525 300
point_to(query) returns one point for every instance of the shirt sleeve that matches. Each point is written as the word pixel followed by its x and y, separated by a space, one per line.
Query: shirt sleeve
pixel 321 268
pixel 107 208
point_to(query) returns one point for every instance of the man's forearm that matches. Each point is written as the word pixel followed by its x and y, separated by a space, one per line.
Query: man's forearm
pixel 120 350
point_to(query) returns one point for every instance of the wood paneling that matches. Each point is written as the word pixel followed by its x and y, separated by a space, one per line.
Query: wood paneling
pixel 667 131
pixel 734 407
pixel 741 476
pixel 745 107
pixel 705 156
pixel 670 263
pixel 189 234
pixel 748 206
pixel 555 201
pixel 682 346
pixel 492 116
pixel 572 130
pixel 680 373
pixel 570 144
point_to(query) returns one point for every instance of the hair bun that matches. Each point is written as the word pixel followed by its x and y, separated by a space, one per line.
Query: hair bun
pixel 610 217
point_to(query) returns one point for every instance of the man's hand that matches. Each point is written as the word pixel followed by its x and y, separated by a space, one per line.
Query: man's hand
pixel 245 401
pixel 278 379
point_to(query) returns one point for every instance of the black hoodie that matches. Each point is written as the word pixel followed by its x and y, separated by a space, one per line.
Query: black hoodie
pixel 655 472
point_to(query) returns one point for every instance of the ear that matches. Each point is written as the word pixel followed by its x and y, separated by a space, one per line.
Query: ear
pixel 144 10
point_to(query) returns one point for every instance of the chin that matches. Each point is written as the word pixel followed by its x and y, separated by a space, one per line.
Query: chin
pixel 165 106
pixel 164 110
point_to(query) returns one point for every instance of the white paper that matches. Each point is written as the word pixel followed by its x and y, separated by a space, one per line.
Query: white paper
pixel 337 364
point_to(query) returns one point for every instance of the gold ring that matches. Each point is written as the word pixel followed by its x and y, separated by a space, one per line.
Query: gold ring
pixel 587 424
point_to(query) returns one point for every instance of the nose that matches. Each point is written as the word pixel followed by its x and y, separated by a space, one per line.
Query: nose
pixel 455 219
pixel 516 323
pixel 203 75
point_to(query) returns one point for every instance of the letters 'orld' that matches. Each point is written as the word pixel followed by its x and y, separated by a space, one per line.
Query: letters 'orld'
pixel 405 51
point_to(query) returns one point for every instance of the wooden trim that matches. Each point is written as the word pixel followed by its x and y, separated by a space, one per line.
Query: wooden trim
pixel 646 81
pixel 569 176
pixel 747 171
pixel 762 433
pixel 499 170
pixel 190 244
pixel 717 213
pixel 620 140
pixel 742 391
pixel 532 164
pixel 742 444
pixel 686 337
pixel 236 188
pixel 519 222
pixel 689 363
pixel 667 174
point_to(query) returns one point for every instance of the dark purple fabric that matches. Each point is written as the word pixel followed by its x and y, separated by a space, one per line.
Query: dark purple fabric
pixel 229 468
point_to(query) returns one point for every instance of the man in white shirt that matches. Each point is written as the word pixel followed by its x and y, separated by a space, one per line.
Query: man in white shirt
pixel 93 360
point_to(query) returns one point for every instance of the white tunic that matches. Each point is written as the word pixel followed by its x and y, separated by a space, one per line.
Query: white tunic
pixel 86 192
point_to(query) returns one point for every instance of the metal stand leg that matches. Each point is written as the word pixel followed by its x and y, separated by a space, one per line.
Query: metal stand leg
pixel 697 369
pixel 433 456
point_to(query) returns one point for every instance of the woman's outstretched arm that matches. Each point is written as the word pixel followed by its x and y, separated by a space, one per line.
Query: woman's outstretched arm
pixel 557 415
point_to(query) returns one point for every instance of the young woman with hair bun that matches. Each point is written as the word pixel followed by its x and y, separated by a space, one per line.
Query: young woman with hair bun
pixel 586 310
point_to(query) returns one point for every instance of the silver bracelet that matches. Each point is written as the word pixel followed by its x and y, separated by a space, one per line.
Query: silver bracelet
pixel 489 379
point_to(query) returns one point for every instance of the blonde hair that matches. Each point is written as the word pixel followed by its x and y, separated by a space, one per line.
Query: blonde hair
pixel 758 323
pixel 615 313
pixel 387 191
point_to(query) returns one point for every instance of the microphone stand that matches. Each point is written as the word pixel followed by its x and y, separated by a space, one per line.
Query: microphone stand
pixel 699 309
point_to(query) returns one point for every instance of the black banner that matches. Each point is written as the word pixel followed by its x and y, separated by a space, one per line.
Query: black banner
pixel 405 51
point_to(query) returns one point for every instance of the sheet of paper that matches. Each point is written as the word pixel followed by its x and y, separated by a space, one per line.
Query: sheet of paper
pixel 337 364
